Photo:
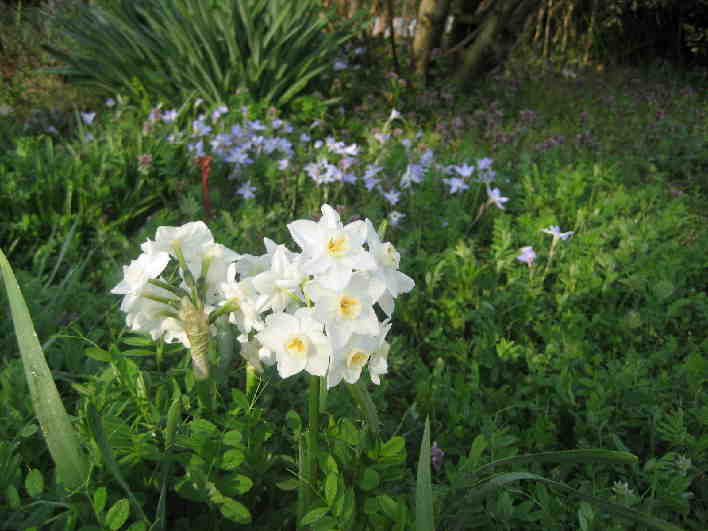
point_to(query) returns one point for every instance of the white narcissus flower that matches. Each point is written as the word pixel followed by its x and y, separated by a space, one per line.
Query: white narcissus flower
pixel 378 363
pixel 218 259
pixel 345 311
pixel 247 303
pixel 298 343
pixel 145 315
pixel 555 231
pixel 349 359
pixel 250 266
pixel 190 238
pixel 138 274
pixel 332 251
pixel 281 284
pixel 387 275
pixel 256 355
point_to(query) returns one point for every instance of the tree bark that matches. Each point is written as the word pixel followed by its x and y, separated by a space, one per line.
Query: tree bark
pixel 506 15
pixel 432 15
pixel 354 6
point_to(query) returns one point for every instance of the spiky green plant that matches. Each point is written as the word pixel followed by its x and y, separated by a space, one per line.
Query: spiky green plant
pixel 276 49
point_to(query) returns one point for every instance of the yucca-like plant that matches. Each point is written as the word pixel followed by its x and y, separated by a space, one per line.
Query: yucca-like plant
pixel 174 48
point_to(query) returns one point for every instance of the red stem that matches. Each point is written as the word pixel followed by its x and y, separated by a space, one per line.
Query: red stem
pixel 204 164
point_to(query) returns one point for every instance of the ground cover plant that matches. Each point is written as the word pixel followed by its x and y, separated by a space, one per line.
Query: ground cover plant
pixel 543 366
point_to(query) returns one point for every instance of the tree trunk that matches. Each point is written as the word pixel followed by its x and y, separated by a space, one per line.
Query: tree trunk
pixel 432 15
pixel 509 15
pixel 354 6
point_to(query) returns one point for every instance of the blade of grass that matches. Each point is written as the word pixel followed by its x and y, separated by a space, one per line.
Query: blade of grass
pixel 424 486
pixel 62 253
pixel 96 427
pixel 173 417
pixel 61 438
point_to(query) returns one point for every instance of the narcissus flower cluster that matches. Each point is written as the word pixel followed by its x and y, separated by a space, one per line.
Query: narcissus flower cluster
pixel 325 310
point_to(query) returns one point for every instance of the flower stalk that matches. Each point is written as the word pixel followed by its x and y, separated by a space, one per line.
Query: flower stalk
pixel 251 380
pixel 204 164
pixel 309 465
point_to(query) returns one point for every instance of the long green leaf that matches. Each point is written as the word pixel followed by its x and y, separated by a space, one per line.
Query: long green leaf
pixel 61 438
pixel 424 486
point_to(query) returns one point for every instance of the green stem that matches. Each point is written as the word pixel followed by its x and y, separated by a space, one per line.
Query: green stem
pixel 251 380
pixel 225 344
pixel 309 469
pixel 550 257
pixel 205 392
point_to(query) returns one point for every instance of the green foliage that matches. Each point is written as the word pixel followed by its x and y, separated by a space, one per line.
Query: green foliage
pixel 275 49
pixel 601 344
pixel 58 432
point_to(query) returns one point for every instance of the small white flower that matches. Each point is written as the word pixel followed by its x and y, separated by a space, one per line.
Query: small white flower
pixel 347 310
pixel 332 250
pixel 245 300
pixel 190 238
pixel 298 343
pixel 392 196
pixel 255 354
pixel 349 359
pixel 378 363
pixel 395 217
pixel 496 197
pixel 456 184
pixel 484 164
pixel 528 255
pixel 146 316
pixel 140 271
pixel 88 117
pixel 391 282
pixel 246 190
pixel 218 259
pixel 169 116
pixel 464 170
pixel 555 231
pixel 281 283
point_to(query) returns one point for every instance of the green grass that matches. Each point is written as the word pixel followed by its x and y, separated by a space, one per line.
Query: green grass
pixel 600 344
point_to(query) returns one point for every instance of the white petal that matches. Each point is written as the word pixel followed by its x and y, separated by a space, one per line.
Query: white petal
pixel 330 217
pixel 308 235
pixel 336 278
pixel 288 365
